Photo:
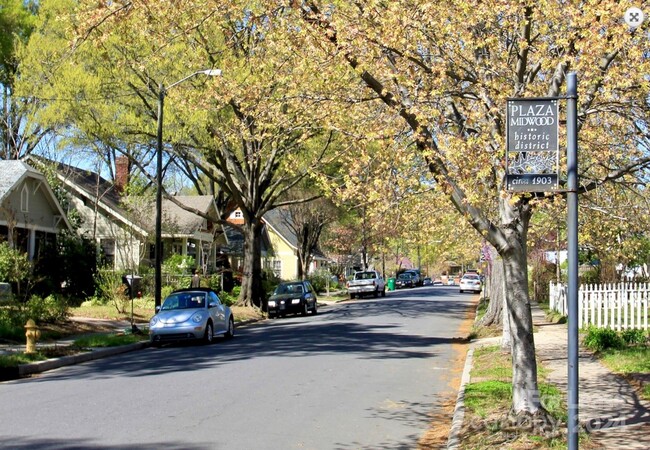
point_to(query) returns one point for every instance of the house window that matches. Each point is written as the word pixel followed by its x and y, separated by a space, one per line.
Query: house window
pixel 277 267
pixel 177 248
pixel 238 215
pixel 24 199
pixel 108 251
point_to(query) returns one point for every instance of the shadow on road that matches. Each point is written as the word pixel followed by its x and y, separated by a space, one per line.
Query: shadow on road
pixel 369 328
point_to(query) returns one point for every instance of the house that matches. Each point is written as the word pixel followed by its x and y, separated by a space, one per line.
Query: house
pixel 30 213
pixel 102 215
pixel 279 246
pixel 188 233
pixel 124 226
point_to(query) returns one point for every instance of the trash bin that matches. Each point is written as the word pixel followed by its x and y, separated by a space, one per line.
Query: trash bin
pixel 391 284
pixel 132 283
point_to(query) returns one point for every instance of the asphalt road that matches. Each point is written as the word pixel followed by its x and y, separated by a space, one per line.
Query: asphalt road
pixel 365 374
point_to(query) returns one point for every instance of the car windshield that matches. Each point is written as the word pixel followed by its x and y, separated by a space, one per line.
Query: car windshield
pixel 364 275
pixel 405 276
pixel 184 300
pixel 471 277
pixel 294 288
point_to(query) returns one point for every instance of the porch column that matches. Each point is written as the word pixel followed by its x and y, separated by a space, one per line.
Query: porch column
pixel 32 244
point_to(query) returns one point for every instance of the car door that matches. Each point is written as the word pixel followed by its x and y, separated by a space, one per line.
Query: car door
pixel 311 294
pixel 217 312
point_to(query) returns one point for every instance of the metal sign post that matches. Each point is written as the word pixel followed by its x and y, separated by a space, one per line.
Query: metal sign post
pixel 572 247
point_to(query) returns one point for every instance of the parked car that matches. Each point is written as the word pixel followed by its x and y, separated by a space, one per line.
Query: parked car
pixel 471 282
pixel 191 314
pixel 427 282
pixel 366 282
pixel 438 283
pixel 292 298
pixel 417 278
pixel 404 280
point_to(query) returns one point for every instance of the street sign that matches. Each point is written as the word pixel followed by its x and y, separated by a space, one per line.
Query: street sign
pixel 532 149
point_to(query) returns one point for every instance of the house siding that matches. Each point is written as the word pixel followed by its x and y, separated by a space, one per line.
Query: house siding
pixel 98 226
pixel 286 254
pixel 40 213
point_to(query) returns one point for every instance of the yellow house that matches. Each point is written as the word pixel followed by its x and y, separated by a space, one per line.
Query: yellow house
pixel 280 246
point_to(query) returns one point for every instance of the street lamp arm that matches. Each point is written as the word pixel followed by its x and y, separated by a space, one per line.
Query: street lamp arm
pixel 208 72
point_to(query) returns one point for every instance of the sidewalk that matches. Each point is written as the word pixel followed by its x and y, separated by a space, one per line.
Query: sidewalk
pixel 609 409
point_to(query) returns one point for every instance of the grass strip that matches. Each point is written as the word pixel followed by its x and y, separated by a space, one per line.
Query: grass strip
pixel 488 398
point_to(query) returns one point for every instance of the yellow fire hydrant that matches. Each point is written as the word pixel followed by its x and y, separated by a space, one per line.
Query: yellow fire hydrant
pixel 32 334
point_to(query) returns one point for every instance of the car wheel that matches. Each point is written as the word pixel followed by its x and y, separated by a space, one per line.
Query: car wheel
pixel 208 336
pixel 376 293
pixel 230 332
pixel 460 290
pixel 304 310
pixel 383 292
pixel 314 310
pixel 351 296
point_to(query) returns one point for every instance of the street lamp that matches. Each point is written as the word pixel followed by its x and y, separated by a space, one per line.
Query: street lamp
pixel 158 248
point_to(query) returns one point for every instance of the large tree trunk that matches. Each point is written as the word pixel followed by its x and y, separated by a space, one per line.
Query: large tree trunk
pixel 495 294
pixel 304 261
pixel 525 391
pixel 251 286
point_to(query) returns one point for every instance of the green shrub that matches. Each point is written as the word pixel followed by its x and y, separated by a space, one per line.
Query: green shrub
pixel 107 284
pixel 165 291
pixel 11 332
pixel 14 265
pixel 230 298
pixel 178 265
pixel 50 309
pixel 214 282
pixel 634 337
pixel 599 339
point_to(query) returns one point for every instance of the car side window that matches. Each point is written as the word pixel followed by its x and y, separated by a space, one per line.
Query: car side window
pixel 310 288
pixel 214 298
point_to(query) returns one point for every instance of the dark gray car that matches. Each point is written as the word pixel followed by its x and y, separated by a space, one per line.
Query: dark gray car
pixel 295 297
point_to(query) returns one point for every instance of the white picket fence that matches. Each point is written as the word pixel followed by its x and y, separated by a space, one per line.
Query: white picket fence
pixel 619 306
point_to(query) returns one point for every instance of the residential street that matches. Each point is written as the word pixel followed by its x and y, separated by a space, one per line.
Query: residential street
pixel 364 374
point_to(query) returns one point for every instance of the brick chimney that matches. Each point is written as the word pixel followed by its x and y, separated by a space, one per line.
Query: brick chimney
pixel 122 169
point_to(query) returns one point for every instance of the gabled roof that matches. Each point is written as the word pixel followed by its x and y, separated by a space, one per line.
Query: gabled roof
pixel 186 222
pixel 13 172
pixel 277 221
pixel 91 185
pixel 235 241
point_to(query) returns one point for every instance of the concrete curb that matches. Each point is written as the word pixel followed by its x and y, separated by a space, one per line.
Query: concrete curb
pixel 459 411
pixel 54 363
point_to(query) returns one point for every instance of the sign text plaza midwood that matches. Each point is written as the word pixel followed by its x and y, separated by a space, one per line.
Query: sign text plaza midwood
pixel 532 148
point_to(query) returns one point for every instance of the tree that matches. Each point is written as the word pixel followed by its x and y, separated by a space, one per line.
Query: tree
pixel 247 132
pixel 445 70
pixel 18 134
pixel 307 222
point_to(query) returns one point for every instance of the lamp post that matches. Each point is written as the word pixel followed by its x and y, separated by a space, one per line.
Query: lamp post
pixel 158 246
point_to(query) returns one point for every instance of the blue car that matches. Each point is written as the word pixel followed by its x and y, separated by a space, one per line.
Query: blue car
pixel 191 314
